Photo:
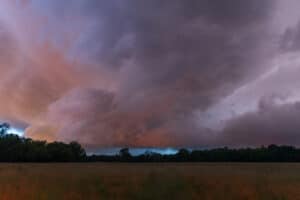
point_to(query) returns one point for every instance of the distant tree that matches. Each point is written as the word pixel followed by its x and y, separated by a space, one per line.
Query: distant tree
pixel 182 155
pixel 77 150
pixel 125 154
pixel 4 128
pixel 18 149
pixel 61 152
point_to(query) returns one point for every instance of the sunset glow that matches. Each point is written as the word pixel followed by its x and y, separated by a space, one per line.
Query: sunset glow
pixel 148 74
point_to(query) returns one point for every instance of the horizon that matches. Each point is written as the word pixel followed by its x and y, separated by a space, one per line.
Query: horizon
pixel 136 151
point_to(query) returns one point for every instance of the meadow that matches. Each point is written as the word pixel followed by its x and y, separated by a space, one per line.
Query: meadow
pixel 84 181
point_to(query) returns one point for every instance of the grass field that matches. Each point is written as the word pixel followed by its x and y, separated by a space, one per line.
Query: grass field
pixel 150 181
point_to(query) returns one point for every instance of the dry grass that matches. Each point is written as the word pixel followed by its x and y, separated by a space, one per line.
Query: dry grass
pixel 150 181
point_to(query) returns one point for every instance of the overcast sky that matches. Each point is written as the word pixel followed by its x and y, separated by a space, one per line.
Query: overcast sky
pixel 152 73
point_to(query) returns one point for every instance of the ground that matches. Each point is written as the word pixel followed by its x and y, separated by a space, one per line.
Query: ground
pixel 219 181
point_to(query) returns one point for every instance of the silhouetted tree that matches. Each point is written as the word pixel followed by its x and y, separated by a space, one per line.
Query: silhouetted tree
pixel 77 150
pixel 272 153
pixel 182 155
pixel 125 154
pixel 18 149
pixel 4 128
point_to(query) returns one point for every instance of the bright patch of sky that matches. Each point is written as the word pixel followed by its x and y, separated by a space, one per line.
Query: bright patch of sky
pixel 134 151
pixel 16 131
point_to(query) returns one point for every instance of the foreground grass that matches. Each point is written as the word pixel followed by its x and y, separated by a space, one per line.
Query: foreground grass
pixel 150 181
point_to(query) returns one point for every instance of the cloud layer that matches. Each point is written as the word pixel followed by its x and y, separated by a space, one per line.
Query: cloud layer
pixel 142 73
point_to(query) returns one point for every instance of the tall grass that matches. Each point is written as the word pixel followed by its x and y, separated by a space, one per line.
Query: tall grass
pixel 150 181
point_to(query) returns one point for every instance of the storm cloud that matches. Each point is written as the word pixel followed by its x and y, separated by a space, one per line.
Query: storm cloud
pixel 271 124
pixel 136 73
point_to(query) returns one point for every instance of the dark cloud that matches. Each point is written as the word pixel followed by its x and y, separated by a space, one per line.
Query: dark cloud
pixel 135 72
pixel 290 40
pixel 179 57
pixel 271 124
pixel 186 49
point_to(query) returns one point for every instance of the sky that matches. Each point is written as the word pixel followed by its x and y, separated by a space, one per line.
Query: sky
pixel 159 73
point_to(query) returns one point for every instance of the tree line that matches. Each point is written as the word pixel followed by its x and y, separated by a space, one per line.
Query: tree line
pixel 19 149
pixel 271 153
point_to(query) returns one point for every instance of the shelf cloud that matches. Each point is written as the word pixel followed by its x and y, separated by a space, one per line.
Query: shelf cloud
pixel 151 73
